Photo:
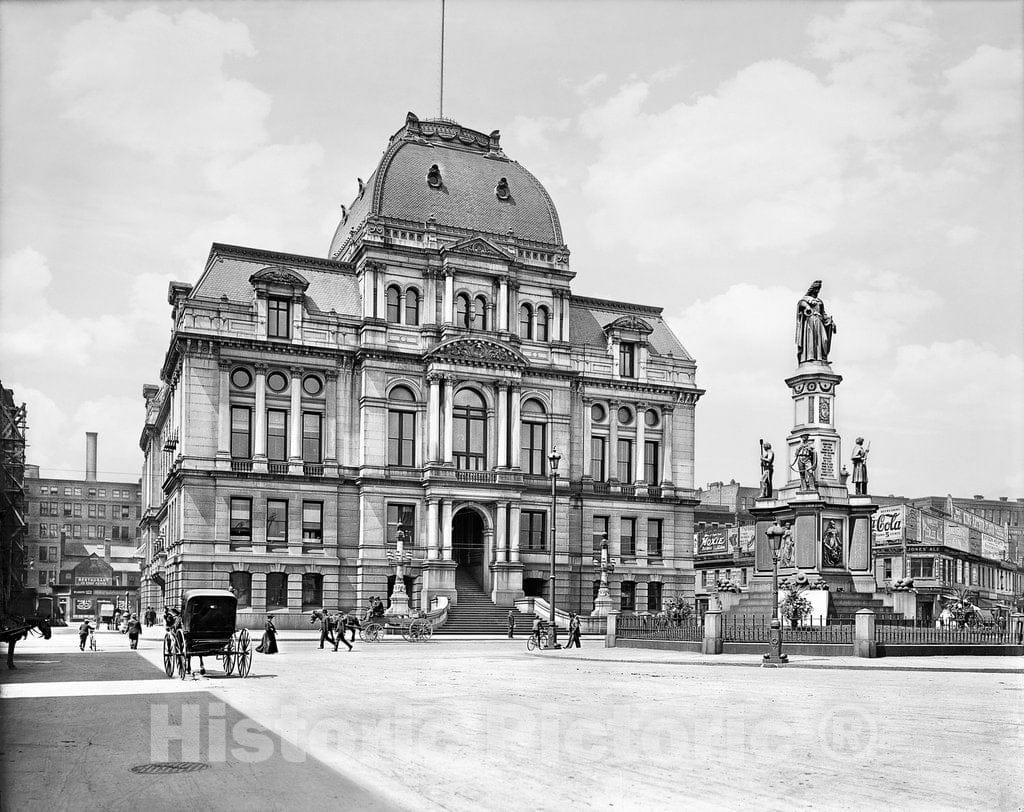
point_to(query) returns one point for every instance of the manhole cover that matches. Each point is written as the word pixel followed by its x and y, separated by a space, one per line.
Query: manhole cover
pixel 167 767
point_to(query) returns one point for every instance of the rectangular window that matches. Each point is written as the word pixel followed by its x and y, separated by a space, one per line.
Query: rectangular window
pixel 115 532
pixel 533 459
pixel 627 596
pixel 886 568
pixel 654 596
pixel 42 531
pixel 92 511
pixel 277 590
pixel 401 438
pixel 103 493
pixel 627 360
pixel 277 522
pixel 278 318
pixel 241 520
pixel 652 474
pixel 67 491
pixel 92 493
pixel 311 427
pixel 597 459
pixel 703 577
pixel 126 511
pixel 531 530
pixel 91 531
pixel 627 538
pixel 76 510
pixel 42 553
pixel 101 531
pixel 77 531
pixel 67 509
pixel 241 432
pixel 313 522
pixel 401 518
pixel 743 576
pixel 241 584
pixel 101 511
pixel 312 590
pixel 277 435
pixel 600 532
pixel 625 461
pixel 922 567
pixel 78 491
pixel 654 549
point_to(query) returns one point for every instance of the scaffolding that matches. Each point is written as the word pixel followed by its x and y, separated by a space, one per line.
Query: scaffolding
pixel 13 527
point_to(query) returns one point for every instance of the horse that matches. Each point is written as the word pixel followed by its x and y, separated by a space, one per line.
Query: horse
pixel 16 627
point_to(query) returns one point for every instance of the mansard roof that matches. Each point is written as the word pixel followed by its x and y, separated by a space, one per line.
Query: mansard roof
pixel 590 318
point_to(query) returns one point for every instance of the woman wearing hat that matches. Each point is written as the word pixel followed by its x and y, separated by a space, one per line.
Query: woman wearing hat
pixel 268 645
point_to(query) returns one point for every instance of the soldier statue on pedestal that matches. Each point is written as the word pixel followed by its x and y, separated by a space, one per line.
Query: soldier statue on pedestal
pixel 806 463
pixel 767 469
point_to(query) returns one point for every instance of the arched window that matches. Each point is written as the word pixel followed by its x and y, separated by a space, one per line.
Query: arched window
pixel 240 583
pixel 469 437
pixel 542 323
pixel 277 590
pixel 533 436
pixel 312 590
pixel 525 321
pixel 394 309
pixel 462 310
pixel 479 313
pixel 412 306
pixel 401 427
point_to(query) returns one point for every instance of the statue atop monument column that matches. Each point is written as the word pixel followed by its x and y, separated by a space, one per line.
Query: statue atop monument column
pixel 767 469
pixel 814 327
pixel 806 463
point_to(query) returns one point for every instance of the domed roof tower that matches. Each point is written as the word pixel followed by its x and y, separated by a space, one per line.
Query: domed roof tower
pixel 438 172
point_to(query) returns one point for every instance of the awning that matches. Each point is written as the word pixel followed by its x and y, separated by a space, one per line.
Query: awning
pixel 985 616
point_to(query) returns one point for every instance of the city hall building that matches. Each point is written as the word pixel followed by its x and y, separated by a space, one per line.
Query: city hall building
pixel 316 414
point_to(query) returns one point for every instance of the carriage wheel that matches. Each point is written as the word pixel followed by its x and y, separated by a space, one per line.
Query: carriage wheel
pixel 243 653
pixel 374 633
pixel 169 658
pixel 181 652
pixel 420 630
pixel 228 657
pixel 407 633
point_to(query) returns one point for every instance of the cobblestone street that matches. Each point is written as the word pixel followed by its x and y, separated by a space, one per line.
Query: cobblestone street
pixel 442 724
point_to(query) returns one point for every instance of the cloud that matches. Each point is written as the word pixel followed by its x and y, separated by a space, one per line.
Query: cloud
pixel 986 93
pixel 156 83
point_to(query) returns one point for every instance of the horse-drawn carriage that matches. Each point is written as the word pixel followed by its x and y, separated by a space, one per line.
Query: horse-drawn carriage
pixel 206 628
pixel 413 628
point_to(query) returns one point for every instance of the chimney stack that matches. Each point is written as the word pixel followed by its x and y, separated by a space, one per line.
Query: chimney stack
pixel 90 456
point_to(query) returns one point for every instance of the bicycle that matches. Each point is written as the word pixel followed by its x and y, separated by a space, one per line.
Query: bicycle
pixel 538 640
pixel 92 640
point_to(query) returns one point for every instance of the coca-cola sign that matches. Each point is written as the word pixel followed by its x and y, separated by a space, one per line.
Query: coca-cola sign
pixel 887 524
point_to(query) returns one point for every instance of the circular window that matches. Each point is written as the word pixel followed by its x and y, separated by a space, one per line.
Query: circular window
pixel 277 381
pixel 312 385
pixel 651 417
pixel 625 415
pixel 597 413
pixel 241 378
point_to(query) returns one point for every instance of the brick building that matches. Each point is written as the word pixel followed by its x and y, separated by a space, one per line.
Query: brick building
pixel 413 382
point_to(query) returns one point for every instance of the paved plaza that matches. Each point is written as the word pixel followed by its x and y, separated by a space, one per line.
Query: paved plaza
pixel 483 724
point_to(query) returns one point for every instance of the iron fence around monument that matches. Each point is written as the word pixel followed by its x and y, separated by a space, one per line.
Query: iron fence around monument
pixel 899 630
pixel 649 627
pixel 755 629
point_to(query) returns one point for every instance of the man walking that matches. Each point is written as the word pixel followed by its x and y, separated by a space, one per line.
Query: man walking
pixel 83 634
pixel 326 630
pixel 574 630
pixel 337 624
pixel 511 624
pixel 134 630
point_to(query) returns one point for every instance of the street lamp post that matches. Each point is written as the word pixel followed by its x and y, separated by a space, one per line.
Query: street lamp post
pixel 774 656
pixel 553 459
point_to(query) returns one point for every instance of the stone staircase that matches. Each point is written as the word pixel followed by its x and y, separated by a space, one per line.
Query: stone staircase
pixel 757 602
pixel 476 614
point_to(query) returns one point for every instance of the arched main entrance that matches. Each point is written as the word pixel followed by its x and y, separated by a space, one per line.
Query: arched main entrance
pixel 468 545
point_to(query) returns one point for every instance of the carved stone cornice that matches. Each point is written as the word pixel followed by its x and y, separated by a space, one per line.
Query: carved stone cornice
pixel 477 352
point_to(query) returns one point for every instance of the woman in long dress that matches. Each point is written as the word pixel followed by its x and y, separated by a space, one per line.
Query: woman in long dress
pixel 268 645
pixel 814 327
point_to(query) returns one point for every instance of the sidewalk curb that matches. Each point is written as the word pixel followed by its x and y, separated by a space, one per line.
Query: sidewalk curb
pixel 813 666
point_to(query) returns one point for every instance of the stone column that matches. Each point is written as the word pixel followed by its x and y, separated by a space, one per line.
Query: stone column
pixel 449 298
pixel 587 429
pixel 502 459
pixel 434 419
pixel 449 388
pixel 380 306
pixel 446 529
pixel 331 419
pixel 613 441
pixel 432 551
pixel 224 415
pixel 501 548
pixel 295 423
pixel 513 533
pixel 503 303
pixel 641 437
pixel 513 310
pixel 516 423
pixel 666 452
pixel 344 411
pixel 712 632
pixel 260 420
pixel 864 644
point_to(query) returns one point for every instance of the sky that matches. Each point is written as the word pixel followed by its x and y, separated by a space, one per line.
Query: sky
pixel 713 158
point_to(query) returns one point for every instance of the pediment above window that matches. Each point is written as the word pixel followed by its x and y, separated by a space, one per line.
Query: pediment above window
pixel 477 247
pixel 477 351
pixel 629 324
pixel 275 279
